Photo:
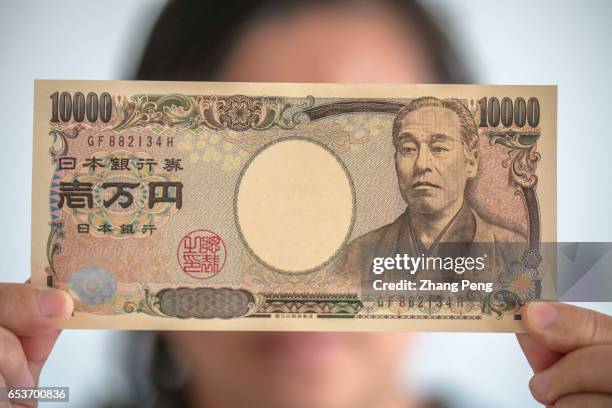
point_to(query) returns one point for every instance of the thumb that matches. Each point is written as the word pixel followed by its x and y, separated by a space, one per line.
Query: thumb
pixel 564 328
pixel 33 314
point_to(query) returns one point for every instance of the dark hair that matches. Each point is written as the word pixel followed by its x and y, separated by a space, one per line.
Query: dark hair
pixel 192 38
pixel 190 41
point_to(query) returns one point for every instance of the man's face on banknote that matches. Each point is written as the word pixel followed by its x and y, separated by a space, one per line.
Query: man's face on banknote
pixel 430 161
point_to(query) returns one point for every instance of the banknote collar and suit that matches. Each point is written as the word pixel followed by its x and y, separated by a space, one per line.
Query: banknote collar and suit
pixel 466 234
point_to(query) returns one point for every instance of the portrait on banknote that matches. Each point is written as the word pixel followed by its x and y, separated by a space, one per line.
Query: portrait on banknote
pixel 436 155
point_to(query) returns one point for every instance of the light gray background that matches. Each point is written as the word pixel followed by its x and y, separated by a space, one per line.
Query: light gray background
pixel 566 43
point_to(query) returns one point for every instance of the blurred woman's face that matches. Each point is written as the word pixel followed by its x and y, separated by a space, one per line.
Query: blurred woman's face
pixel 364 43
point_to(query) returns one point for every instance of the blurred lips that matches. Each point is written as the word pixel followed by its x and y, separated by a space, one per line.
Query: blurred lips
pixel 301 348
pixel 419 185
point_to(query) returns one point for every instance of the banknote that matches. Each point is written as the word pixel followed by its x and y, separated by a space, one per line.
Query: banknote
pixel 253 206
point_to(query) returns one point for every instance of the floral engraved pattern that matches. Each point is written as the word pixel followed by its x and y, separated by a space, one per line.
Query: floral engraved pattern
pixel 93 285
pixel 230 149
pixel 213 147
pixel 239 113
pixel 236 112
pixel 520 280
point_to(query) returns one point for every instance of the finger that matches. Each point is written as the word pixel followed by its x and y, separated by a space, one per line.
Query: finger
pixel 584 370
pixel 563 328
pixel 4 403
pixel 584 401
pixel 28 309
pixel 13 363
pixel 37 349
pixel 538 356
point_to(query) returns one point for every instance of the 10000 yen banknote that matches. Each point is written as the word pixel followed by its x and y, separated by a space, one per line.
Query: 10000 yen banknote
pixel 236 206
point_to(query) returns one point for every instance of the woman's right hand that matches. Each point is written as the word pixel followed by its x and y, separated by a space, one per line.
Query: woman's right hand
pixel 30 317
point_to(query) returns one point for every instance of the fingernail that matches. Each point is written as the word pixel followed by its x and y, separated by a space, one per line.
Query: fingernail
pixel 542 314
pixel 540 385
pixel 53 302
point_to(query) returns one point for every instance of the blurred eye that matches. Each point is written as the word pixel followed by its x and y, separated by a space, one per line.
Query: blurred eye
pixel 439 149
pixel 407 150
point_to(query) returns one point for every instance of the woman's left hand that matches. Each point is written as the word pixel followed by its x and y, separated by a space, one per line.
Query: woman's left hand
pixel 570 351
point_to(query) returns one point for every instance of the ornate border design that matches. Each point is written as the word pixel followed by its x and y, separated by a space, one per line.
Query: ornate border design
pixel 522 156
pixel 353 106
pixel 346 305
pixel 198 303
pixel 54 248
pixel 241 113
pixel 62 135
pixel 236 112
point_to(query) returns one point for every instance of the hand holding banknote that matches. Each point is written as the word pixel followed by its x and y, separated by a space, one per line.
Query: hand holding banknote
pixel 569 348
pixel 117 267
pixel 570 351
pixel 30 318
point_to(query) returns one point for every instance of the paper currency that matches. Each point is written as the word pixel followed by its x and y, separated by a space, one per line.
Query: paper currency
pixel 240 206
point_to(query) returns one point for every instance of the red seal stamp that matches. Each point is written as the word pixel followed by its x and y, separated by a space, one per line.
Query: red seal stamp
pixel 201 254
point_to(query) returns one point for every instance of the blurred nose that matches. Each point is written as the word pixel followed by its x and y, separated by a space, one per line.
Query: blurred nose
pixel 423 161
